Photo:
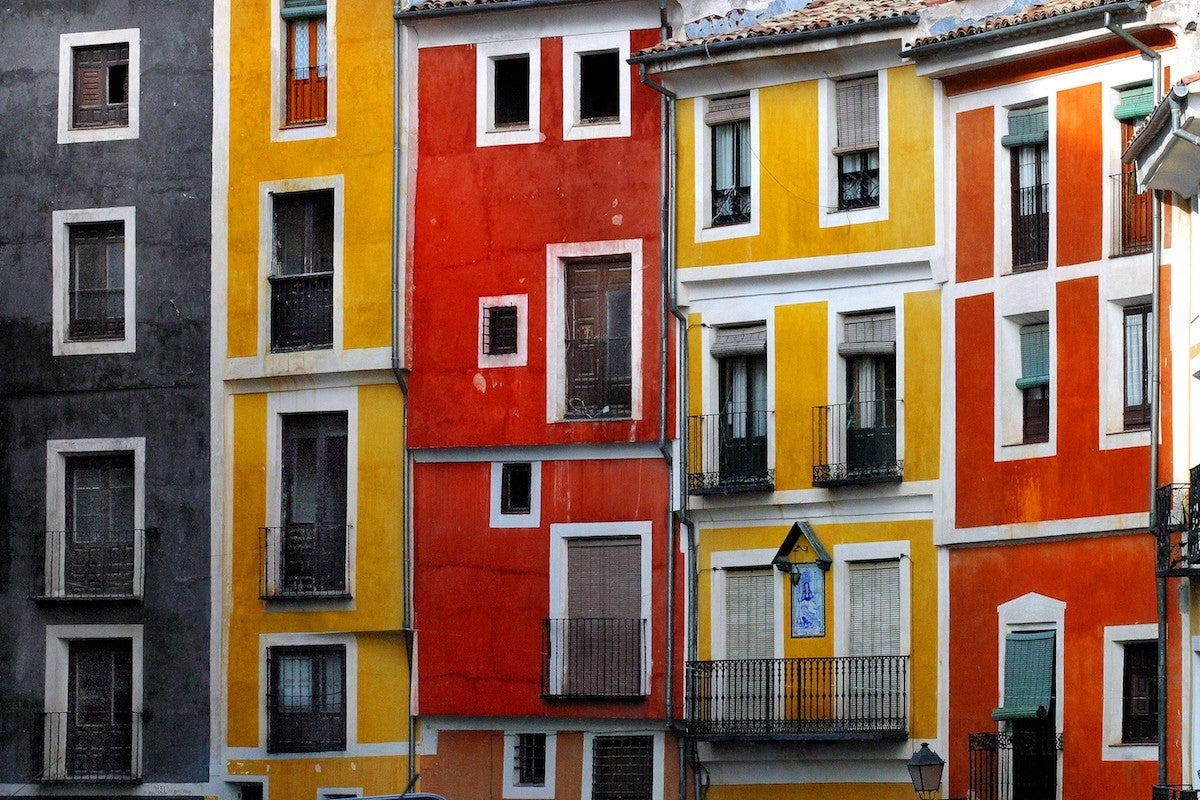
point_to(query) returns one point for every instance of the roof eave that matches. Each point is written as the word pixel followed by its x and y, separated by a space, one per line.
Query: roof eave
pixel 450 11
pixel 773 39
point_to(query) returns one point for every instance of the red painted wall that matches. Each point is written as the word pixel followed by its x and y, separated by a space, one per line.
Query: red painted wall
pixel 975 211
pixel 481 593
pixel 483 219
pixel 1110 582
pixel 1079 179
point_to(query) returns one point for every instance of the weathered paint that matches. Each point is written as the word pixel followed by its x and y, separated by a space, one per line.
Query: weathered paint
pixel 800 384
pixel 1080 184
pixel 922 385
pixel 975 215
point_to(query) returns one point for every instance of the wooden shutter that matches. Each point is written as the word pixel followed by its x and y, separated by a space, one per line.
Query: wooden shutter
pixel 873 597
pixel 604 578
pixel 858 114
pixel 1029 663
pixel 868 333
pixel 749 340
pixel 1035 356
pixel 598 346
pixel 727 109
pixel 749 614
pixel 1027 126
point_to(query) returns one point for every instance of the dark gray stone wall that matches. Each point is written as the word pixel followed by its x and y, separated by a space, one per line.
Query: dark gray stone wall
pixel 160 392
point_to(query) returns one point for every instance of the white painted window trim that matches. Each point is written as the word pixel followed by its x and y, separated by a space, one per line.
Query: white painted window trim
pixel 511 790
pixel 58 648
pixel 705 231
pixel 839 375
pixel 67 42
pixel 1027 613
pixel 498 519
pixel 846 554
pixel 311 402
pixel 270 640
pixel 827 166
pixel 1113 434
pixel 519 358
pixel 711 368
pixel 57 451
pixel 266 258
pixel 326 792
pixel 61 221
pixel 719 565
pixel 557 256
pixel 589 738
pixel 561 532
pixel 486 134
pixel 1008 402
pixel 1115 639
pixel 1002 170
pixel 573 48
pixel 280 131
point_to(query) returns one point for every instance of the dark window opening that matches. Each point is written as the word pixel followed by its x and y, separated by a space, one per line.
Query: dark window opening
pixel 1139 695
pixel 510 92
pixel 97 281
pixel 516 488
pixel 101 90
pixel 598 345
pixel 731 173
pixel 1036 410
pixel 1028 140
pixel 599 86
pixel 306 701
pixel 622 767
pixel 100 720
pixel 1034 382
pixel 529 762
pixel 1137 329
pixel 500 330
pixel 307 81
pixel 302 279
pixel 98 556
pixel 858 180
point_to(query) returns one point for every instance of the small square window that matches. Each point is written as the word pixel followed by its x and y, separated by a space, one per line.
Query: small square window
pixel 500 330
pixel 622 767
pixel 529 761
pixel 516 482
pixel 510 91
pixel 97 281
pixel 599 87
pixel 101 90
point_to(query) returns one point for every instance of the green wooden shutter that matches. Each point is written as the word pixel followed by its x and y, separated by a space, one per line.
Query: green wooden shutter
pixel 1028 676
pixel 1136 103
pixel 1027 126
pixel 1035 356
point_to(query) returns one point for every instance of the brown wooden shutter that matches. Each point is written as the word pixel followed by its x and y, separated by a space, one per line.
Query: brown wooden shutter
pixel 604 578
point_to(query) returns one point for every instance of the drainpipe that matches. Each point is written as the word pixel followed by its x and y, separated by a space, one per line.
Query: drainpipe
pixel 1155 381
pixel 401 373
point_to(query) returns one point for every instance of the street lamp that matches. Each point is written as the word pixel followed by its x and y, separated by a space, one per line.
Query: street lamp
pixel 925 771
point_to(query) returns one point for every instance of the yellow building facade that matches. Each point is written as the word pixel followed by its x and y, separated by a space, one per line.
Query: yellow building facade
pixel 808 270
pixel 314 677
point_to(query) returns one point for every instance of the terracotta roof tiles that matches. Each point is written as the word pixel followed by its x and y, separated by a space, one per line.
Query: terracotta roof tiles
pixel 1042 11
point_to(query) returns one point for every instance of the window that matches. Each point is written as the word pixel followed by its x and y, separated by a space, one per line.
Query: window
pixel 1034 382
pixel 529 760
pixel 302 275
pixel 306 699
pixel 596 85
pixel 622 768
pixel 1130 708
pixel 869 348
pixel 857 147
pixel 1028 143
pixel 97 293
pixel 516 488
pixel 1028 705
pixel 500 329
pixel 728 120
pixel 750 624
pixel 1132 210
pixel 508 92
pixel 98 86
pixel 1139 693
pixel 1137 329
pixel 742 396
pixel 529 772
pixel 307 555
pixel 599 86
pixel 307 89
pixel 598 341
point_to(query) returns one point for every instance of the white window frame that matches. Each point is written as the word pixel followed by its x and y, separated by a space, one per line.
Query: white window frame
pixel 1113 433
pixel 519 358
pixel 705 231
pixel 720 564
pixel 266 258
pixel 1026 614
pixel 57 687
pixel 1009 402
pixel 561 532
pixel 846 554
pixel 827 164
pixel 67 43
pixel 57 452
pixel 486 53
pixel 266 641
pixel 314 402
pixel 61 222
pixel 511 790
pixel 558 256
pixel 582 44
pixel 280 130
pixel 1115 639
pixel 1002 170
pixel 589 739
pixel 498 519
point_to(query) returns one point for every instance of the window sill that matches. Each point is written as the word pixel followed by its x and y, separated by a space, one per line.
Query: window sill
pixel 1122 751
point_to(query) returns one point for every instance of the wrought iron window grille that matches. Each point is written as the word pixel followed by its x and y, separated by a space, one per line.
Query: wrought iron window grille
pixel 88 747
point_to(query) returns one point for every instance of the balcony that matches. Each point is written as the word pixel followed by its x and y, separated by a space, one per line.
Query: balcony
pixel 727 453
pixel 855 443
pixel 103 747
pixel 301 312
pixel 1177 527
pixel 304 561
pixel 800 699
pixel 1132 224
pixel 592 658
pixel 307 95
pixel 1011 766
pixel 89 565
pixel 1174 793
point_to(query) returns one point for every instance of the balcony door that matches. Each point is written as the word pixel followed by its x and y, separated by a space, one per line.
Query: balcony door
pixel 743 426
pixel 749 683
pixel 603 631
pixel 99 729
pixel 871 423
pixel 313 557
pixel 99 553
pixel 875 696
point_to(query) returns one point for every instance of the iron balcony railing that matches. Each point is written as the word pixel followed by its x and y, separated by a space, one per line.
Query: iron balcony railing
pixel 847 697
pixel 731 206
pixel 856 443
pixel 1013 766
pixel 1030 227
pixel 304 561
pixel 1132 216
pixel 89 565
pixel 727 452
pixel 1174 793
pixel 88 747
pixel 301 312
pixel 599 378
pixel 308 95
pixel 1177 527
pixel 594 658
